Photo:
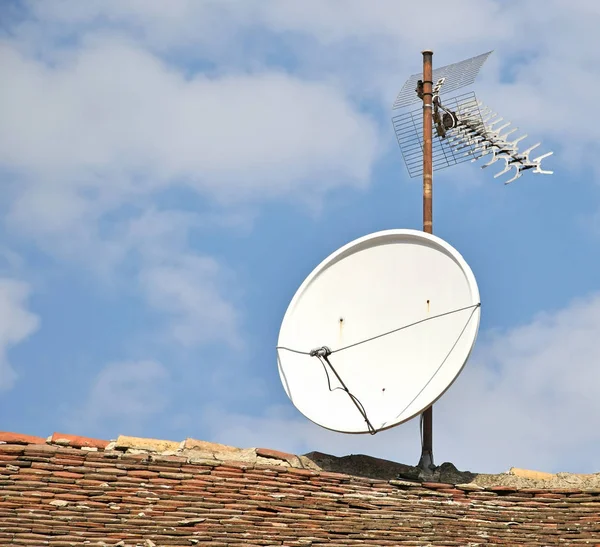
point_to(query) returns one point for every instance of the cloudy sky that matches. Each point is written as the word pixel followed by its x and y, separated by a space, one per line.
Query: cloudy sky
pixel 171 171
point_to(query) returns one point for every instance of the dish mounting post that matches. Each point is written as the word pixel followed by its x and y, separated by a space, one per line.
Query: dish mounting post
pixel 425 91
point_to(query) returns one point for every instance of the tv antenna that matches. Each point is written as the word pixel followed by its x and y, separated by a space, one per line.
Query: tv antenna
pixel 465 129
pixel 449 132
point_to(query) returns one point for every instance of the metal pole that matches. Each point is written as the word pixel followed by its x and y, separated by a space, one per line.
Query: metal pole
pixel 426 461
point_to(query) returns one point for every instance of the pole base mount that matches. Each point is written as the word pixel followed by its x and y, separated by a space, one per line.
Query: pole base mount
pixel 426 462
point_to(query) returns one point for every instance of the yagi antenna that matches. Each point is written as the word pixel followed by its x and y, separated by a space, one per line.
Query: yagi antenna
pixel 465 129
pixel 446 132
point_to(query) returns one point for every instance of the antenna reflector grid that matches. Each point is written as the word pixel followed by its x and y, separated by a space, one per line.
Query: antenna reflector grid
pixel 446 152
pixel 455 76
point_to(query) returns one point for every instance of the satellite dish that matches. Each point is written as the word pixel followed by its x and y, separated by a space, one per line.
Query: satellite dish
pixel 378 331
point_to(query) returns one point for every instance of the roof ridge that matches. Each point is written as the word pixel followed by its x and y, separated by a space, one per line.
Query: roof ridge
pixel 194 451
pixel 189 447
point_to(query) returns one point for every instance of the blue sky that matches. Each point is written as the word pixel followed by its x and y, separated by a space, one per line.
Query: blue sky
pixel 171 171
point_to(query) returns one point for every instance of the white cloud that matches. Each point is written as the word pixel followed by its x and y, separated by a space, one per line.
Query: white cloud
pixel 110 120
pixel 124 395
pixel 16 324
pixel 528 398
pixel 107 126
pixel 371 50
pixel 185 22
pixel 358 52
pixel 190 291
pixel 193 291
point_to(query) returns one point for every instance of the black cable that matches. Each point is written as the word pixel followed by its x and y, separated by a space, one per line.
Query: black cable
pixel 325 359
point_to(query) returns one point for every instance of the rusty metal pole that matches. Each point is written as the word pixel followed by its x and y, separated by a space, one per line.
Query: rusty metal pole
pixel 426 461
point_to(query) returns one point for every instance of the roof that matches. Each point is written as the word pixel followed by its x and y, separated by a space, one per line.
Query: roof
pixel 73 491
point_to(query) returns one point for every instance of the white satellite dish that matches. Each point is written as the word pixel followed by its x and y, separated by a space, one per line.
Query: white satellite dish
pixel 378 331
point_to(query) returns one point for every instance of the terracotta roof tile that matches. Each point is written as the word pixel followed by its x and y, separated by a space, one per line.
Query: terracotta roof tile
pixel 149 445
pixel 19 438
pixel 75 441
pixel 152 493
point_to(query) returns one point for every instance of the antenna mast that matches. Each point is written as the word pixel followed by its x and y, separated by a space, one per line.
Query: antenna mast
pixel 465 130
pixel 425 91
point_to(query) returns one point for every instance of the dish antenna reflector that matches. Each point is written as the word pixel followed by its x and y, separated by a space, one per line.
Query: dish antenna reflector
pixel 378 331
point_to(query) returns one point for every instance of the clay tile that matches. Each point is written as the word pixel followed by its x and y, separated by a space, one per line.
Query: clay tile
pixel 529 474
pixel 20 438
pixel 436 485
pixel 275 454
pixel 151 445
pixel 403 483
pixel 502 488
pixel 205 446
pixel 76 441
